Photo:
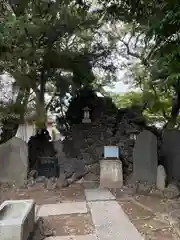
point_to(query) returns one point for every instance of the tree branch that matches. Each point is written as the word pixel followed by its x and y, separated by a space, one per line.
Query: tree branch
pixel 51 101
pixel 29 37
pixel 133 54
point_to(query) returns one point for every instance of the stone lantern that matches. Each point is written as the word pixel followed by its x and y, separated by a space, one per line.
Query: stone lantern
pixel 133 135
pixel 86 117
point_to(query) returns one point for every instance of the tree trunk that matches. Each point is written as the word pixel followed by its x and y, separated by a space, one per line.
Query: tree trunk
pixel 41 115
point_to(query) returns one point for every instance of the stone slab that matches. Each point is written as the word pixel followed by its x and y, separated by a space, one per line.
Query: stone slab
pixel 62 208
pixel 111 222
pixel 90 184
pixel 78 237
pixel 98 194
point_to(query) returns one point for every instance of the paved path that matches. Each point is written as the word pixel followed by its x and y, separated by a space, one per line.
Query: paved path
pixel 110 221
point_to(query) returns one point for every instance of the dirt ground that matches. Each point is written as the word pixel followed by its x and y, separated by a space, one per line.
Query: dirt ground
pixel 156 218
pixel 73 224
pixel 41 195
pixel 152 216
pixel 60 225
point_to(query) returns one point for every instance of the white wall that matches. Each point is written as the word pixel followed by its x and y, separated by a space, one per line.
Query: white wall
pixel 25 131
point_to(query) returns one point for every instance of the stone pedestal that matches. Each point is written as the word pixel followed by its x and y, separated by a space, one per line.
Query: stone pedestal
pixel 111 175
pixel 86 120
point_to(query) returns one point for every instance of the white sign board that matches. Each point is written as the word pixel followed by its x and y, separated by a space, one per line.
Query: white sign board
pixel 111 152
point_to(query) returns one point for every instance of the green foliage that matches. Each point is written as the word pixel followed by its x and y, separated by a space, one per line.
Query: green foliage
pixel 128 99
pixel 63 43
pixel 55 42
pixel 156 108
pixel 154 31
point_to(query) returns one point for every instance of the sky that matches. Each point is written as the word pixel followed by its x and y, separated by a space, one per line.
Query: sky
pixel 120 87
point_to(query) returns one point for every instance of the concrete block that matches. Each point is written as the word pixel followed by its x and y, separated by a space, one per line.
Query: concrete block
pixel 111 175
pixel 17 219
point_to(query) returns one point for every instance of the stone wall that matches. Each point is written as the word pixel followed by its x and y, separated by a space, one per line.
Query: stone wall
pixel 87 141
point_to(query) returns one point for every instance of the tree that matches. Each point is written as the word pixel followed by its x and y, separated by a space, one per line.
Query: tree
pixel 152 106
pixel 127 99
pixel 54 42
pixel 158 23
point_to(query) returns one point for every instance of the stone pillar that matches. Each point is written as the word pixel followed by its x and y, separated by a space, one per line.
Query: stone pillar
pixel 111 175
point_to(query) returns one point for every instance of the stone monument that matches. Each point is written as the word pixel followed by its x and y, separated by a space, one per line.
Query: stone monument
pixel 14 162
pixel 145 160
pixel 170 151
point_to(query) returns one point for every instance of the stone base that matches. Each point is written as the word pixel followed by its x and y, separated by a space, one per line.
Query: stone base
pixel 86 120
pixel 111 175
pixel 17 219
